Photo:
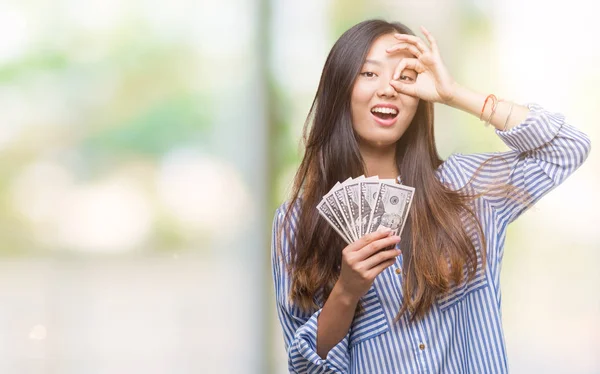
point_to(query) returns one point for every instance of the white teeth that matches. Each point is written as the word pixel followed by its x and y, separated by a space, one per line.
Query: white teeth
pixel 384 110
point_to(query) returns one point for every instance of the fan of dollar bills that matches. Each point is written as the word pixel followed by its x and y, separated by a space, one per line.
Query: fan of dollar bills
pixel 363 205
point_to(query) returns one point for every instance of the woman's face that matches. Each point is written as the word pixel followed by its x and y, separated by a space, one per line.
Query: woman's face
pixel 380 115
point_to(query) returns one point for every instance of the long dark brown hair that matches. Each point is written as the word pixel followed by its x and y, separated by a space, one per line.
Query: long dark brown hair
pixel 436 246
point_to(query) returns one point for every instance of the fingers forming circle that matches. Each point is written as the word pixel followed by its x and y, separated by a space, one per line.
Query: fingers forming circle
pixel 431 39
pixel 407 63
pixel 413 40
pixel 405 47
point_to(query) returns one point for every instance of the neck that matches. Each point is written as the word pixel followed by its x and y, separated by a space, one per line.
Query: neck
pixel 381 162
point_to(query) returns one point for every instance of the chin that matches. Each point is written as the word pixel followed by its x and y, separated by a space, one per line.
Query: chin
pixel 388 139
pixel 382 143
pixel 380 139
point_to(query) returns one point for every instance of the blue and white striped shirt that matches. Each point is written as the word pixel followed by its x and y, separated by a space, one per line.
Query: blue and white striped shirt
pixel 462 332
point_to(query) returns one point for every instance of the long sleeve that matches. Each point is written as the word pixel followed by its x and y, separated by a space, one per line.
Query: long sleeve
pixel 545 150
pixel 299 327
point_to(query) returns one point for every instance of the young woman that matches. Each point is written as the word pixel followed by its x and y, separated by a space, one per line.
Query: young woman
pixel 433 307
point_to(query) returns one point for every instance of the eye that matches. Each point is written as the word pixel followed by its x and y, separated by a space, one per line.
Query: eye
pixel 368 74
pixel 406 77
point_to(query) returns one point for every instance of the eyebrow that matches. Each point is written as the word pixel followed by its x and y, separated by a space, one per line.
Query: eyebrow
pixel 374 62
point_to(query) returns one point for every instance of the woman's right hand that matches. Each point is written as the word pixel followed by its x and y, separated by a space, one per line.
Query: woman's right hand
pixel 364 259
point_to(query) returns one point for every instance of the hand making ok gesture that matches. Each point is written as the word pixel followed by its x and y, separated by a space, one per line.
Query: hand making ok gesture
pixel 433 82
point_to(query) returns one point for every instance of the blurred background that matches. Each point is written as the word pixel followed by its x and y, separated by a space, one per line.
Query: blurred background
pixel 144 146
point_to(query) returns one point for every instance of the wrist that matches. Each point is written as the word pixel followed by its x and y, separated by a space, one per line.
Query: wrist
pixel 457 92
pixel 344 295
pixel 468 101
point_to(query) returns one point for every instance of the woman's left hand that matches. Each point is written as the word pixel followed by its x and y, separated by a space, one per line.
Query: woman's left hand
pixel 433 82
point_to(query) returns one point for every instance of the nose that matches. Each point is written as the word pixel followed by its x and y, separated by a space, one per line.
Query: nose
pixel 386 90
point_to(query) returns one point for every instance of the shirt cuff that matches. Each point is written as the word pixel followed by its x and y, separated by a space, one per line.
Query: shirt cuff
pixel 539 128
pixel 337 360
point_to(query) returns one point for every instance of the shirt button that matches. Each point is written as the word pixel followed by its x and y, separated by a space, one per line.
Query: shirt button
pixel 399 271
pixel 422 346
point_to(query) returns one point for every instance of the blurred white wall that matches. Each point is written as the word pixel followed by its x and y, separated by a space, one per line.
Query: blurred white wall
pixel 548 52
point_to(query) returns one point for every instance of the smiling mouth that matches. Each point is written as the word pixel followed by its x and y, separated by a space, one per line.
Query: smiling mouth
pixel 384 113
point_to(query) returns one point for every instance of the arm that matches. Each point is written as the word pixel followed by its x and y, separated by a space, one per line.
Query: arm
pixel 545 150
pixel 435 84
pixel 336 317
pixel 472 102
pixel 300 328
pixel 320 341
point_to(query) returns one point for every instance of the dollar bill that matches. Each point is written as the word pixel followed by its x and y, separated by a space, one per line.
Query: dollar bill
pixel 407 208
pixel 352 195
pixel 368 191
pixel 341 199
pixel 331 201
pixel 328 215
pixel 362 205
pixel 390 208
